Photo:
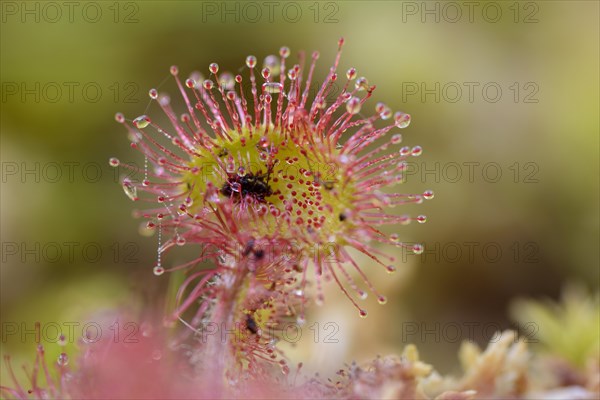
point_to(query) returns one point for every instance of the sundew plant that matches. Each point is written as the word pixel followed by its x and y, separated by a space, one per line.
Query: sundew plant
pixel 278 181
pixel 279 186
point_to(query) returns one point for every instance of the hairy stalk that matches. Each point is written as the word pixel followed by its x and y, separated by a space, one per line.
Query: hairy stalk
pixel 222 318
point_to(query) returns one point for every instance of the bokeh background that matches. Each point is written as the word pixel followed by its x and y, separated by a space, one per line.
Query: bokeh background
pixel 515 171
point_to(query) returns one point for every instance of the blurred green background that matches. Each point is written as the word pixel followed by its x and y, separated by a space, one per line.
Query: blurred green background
pixel 70 247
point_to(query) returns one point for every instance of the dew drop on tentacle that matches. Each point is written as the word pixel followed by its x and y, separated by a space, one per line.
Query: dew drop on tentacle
pixel 251 61
pixel 396 138
pixel 158 270
pixel 141 122
pixel 266 73
pixel 383 110
pixel 428 194
pixel 147 229
pixel 284 52
pixel 120 118
pixel 208 84
pixel 362 313
pixel 63 359
pixel 145 183
pixel 353 105
pixel 114 162
pixel 130 189
pixel 382 299
pixel 153 93
pixel 351 74
pixel 390 269
pixel 402 120
pixel 263 142
pixel 416 151
pixel 421 219
pixel 418 248
pixel 361 83
pixel 213 68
